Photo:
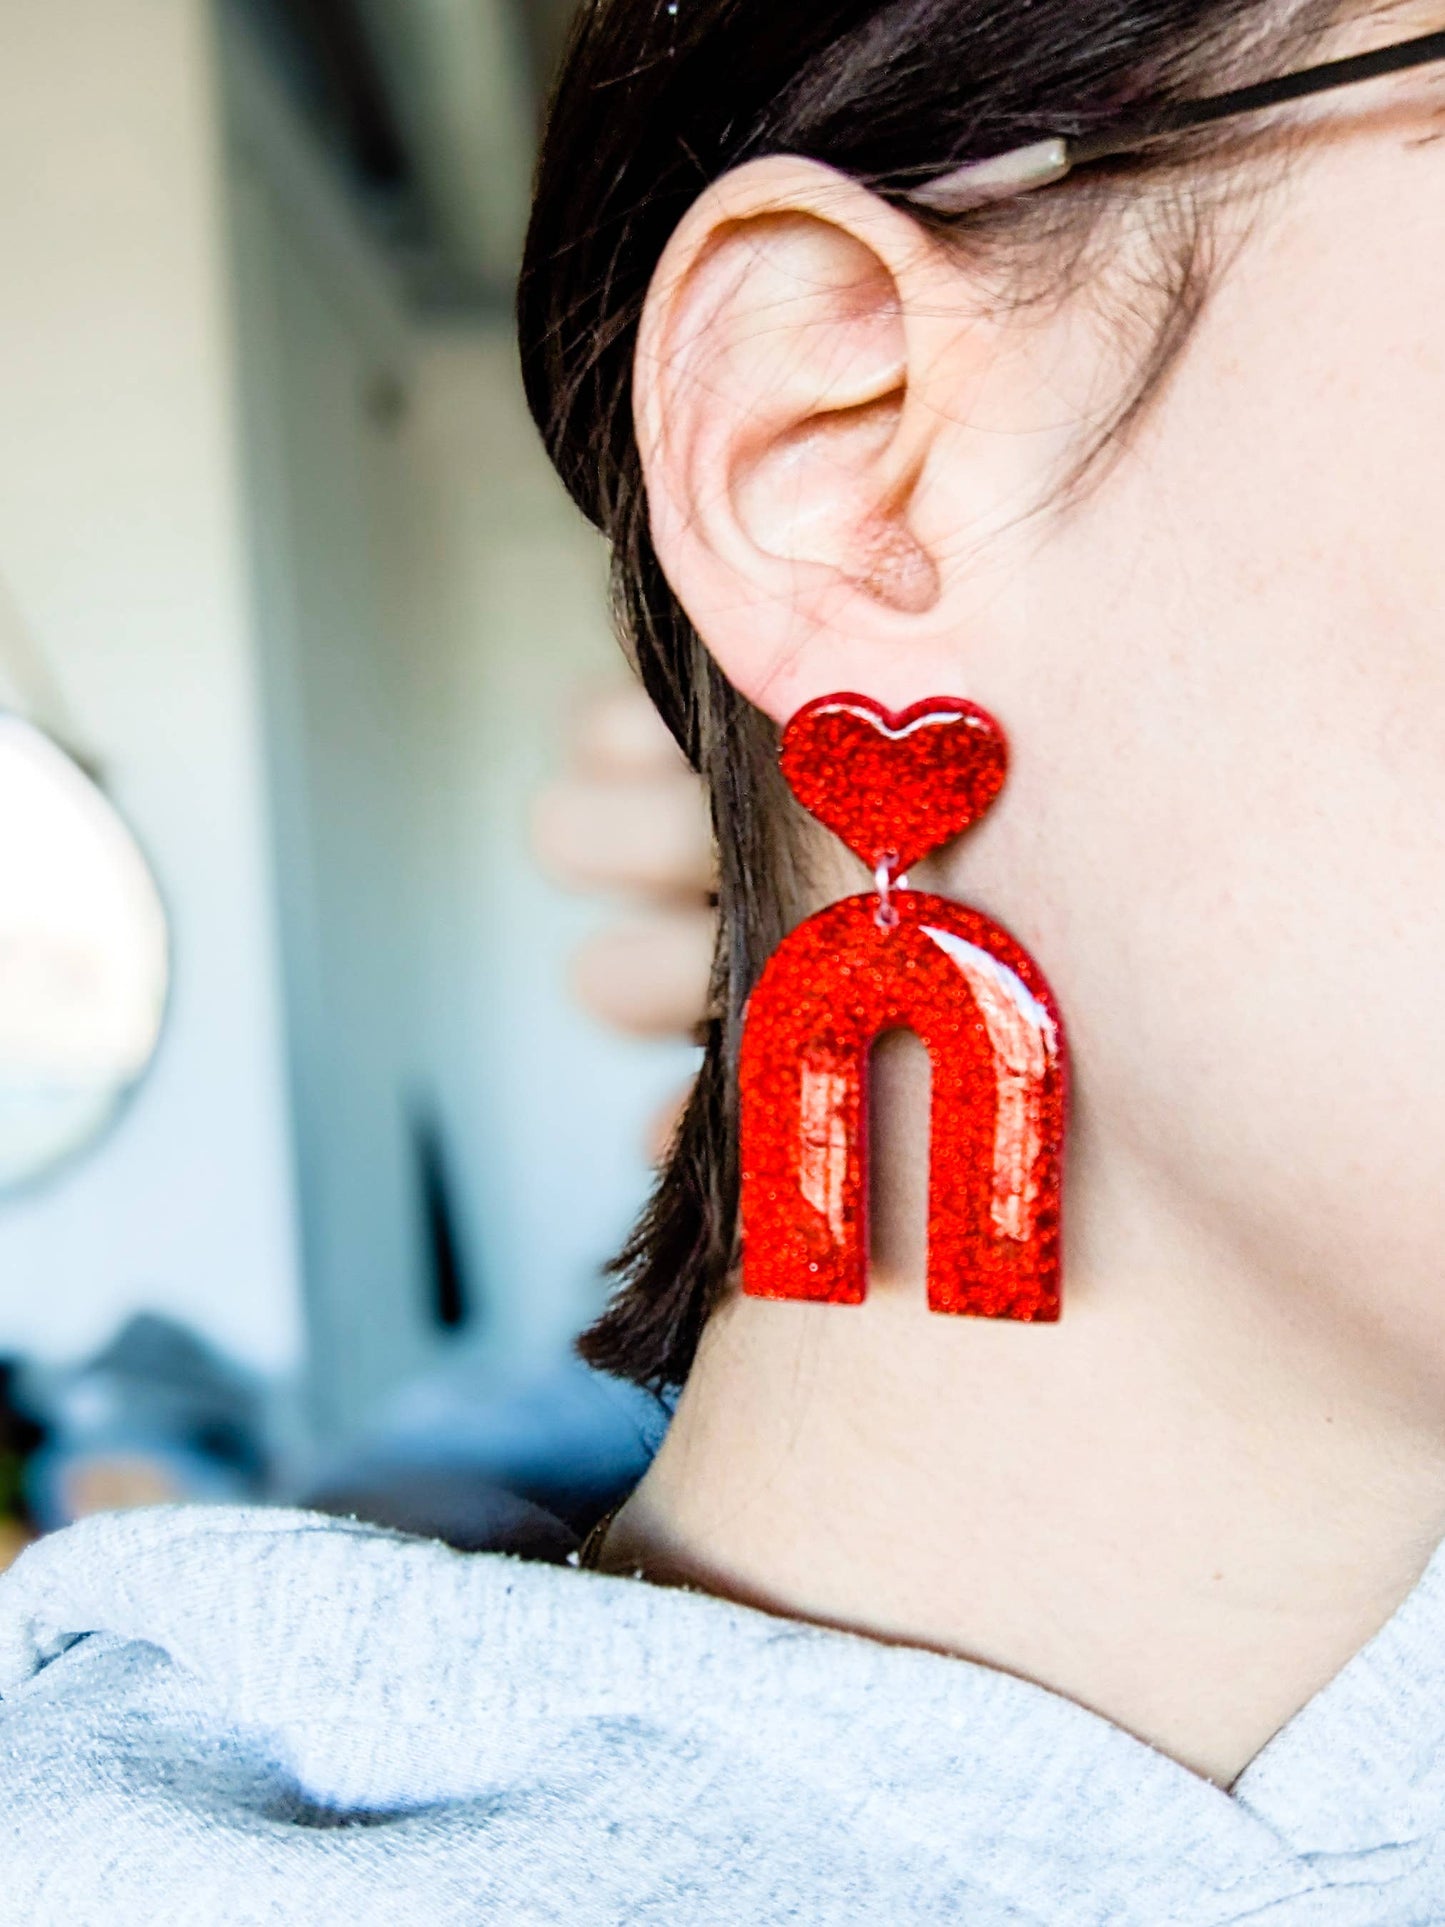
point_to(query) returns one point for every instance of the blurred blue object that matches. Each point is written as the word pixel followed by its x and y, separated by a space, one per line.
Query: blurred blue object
pixel 524 1462
pixel 157 1413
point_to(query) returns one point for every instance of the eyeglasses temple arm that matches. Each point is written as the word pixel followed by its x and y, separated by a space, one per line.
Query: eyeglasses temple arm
pixel 1041 163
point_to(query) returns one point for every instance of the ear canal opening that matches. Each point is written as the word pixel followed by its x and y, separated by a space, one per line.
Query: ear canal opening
pixel 900 1108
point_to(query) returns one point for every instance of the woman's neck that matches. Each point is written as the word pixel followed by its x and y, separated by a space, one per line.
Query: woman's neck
pixel 1184 1506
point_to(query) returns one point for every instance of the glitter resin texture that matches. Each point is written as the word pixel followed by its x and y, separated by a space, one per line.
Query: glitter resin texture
pixel 903 960
pixel 894 787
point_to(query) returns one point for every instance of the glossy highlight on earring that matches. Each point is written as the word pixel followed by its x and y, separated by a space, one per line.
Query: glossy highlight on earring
pixel 895 787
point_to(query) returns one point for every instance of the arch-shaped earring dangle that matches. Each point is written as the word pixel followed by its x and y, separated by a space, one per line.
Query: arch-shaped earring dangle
pixel 894 788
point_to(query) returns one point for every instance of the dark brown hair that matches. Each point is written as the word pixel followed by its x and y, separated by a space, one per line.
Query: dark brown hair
pixel 655 100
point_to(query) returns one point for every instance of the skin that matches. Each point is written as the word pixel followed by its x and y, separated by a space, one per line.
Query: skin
pixel 1223 838
pixel 626 817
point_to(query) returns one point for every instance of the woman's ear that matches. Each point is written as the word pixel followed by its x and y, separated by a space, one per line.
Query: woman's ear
pixel 806 356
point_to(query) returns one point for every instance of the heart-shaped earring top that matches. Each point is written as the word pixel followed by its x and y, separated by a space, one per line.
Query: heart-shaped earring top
pixel 894 787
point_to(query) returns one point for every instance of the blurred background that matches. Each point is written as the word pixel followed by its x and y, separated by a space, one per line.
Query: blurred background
pixel 296 1114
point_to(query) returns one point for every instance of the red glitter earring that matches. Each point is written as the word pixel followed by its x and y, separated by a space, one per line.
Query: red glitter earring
pixel 894 788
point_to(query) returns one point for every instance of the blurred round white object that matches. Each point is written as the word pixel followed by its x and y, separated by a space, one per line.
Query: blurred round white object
pixel 84 957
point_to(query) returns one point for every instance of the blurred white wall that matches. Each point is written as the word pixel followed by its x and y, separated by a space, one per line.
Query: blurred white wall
pixel 430 609
pixel 320 609
pixel 323 343
pixel 121 539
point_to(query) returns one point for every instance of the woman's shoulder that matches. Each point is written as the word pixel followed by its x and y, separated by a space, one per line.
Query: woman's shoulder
pixel 252 1714
pixel 295 1624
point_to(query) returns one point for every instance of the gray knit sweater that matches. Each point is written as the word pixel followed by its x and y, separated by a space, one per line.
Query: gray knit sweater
pixel 246 1716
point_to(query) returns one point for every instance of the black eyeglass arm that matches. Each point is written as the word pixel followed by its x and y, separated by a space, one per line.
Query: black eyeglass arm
pixel 1126 136
pixel 1043 162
